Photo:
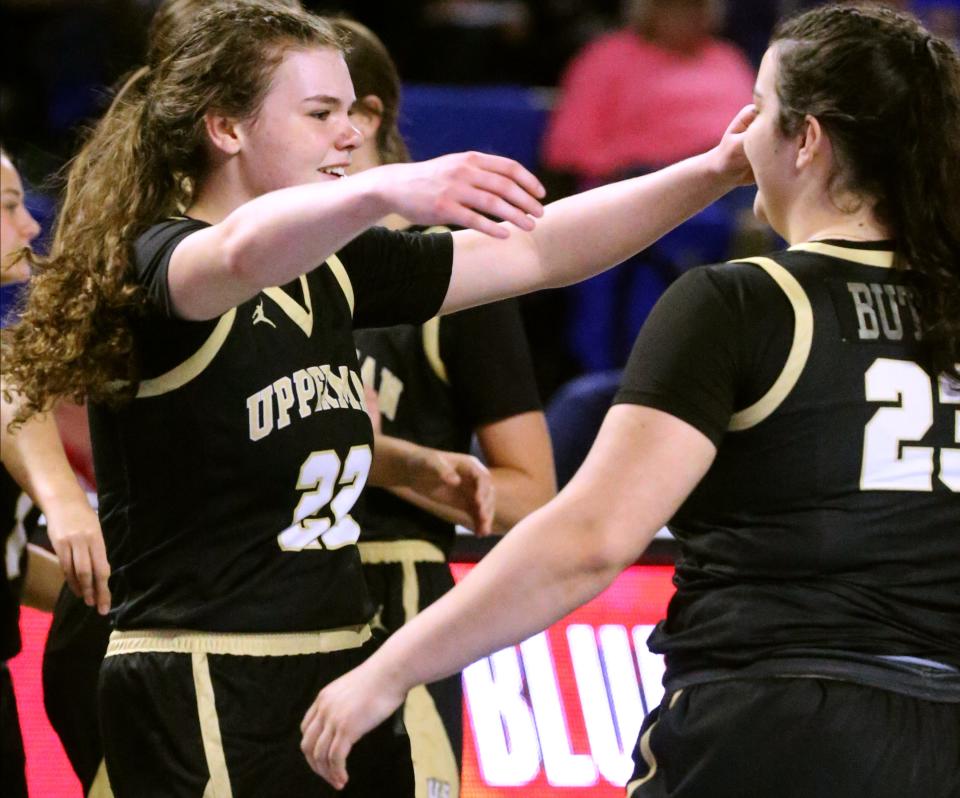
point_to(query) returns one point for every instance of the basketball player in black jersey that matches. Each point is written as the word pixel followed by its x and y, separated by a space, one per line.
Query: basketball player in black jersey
pixel 207 269
pixel 795 418
pixel 34 463
pixel 438 384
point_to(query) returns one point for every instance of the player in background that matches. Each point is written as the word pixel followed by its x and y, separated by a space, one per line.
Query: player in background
pixel 33 461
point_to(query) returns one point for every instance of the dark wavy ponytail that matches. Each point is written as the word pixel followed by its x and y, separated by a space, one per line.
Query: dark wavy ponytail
pixel 888 94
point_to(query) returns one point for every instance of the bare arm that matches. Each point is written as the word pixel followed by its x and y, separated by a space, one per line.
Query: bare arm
pixel 582 235
pixel 34 456
pixel 518 453
pixel 520 460
pixel 43 580
pixel 454 486
pixel 641 468
pixel 280 235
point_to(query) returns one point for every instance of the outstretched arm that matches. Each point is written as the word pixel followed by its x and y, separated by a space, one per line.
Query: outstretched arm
pixel 34 456
pixel 584 234
pixel 641 468
pixel 280 235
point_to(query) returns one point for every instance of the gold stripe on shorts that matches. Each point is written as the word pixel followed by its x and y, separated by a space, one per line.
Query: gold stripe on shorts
pixel 269 644
pixel 218 785
pixel 375 552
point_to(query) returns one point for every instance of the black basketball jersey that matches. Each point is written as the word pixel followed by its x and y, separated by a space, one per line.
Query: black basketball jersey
pixel 828 527
pixel 14 541
pixel 436 383
pixel 226 485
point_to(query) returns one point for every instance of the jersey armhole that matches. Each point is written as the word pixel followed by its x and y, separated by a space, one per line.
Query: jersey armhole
pixel 194 365
pixel 430 334
pixel 796 357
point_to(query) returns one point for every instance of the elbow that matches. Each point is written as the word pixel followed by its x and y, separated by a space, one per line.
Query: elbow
pixel 235 248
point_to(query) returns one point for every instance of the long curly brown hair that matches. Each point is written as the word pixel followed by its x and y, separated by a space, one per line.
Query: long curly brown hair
pixel 888 94
pixel 138 166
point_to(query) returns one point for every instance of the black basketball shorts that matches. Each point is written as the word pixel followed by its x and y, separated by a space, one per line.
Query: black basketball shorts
pixel 404 577
pixel 797 737
pixel 195 715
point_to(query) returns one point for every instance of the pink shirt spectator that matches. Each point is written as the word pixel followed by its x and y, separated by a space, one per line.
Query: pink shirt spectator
pixel 627 102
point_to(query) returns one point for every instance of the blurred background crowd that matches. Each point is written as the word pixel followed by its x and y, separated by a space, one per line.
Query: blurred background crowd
pixel 581 91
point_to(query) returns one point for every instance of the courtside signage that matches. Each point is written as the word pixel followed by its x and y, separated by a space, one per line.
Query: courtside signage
pixel 558 715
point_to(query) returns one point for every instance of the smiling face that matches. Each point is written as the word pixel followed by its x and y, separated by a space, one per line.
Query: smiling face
pixel 772 156
pixel 17 227
pixel 302 133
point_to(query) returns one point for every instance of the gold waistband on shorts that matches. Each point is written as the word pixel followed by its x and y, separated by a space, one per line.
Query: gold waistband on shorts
pixel 380 551
pixel 266 644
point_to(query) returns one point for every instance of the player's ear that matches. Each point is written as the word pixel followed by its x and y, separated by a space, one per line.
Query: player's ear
pixel 223 132
pixel 813 142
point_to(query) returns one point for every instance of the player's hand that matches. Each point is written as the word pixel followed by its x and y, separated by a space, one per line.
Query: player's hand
pixel 729 156
pixel 463 189
pixel 74 531
pixel 342 713
pixel 459 481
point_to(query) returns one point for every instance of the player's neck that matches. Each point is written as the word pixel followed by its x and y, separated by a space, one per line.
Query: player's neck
pixel 846 218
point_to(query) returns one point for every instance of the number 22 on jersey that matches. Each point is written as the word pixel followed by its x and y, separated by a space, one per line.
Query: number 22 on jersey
pixel 889 462
pixel 322 518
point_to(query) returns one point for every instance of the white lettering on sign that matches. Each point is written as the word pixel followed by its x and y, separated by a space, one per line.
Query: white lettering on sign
pixel 521 717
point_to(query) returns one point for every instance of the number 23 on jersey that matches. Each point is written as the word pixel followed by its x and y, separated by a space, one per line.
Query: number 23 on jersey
pixel 889 461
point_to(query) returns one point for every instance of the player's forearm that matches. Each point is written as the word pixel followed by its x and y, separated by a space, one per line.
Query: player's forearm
pixel 585 233
pixel 396 462
pixel 34 456
pixel 43 580
pixel 519 493
pixel 537 574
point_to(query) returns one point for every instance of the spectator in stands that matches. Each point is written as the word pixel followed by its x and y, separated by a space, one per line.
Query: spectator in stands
pixel 658 90
pixel 649 94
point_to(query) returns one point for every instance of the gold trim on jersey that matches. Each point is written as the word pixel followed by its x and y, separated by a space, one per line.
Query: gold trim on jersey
pixel 266 644
pixel 218 785
pixel 194 365
pixel 430 332
pixel 799 349
pixel 337 267
pixel 882 259
pixel 301 315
